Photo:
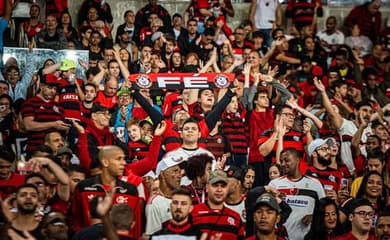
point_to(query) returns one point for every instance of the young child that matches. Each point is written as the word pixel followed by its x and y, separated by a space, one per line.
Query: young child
pixel 138 148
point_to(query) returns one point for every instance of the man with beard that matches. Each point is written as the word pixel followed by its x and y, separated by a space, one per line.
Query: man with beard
pixel 348 129
pixel 301 193
pixel 54 227
pixel 41 114
pixel 181 206
pixel 89 97
pixel 24 219
pixel 330 179
pixel 382 229
pixel 266 217
pixel 213 217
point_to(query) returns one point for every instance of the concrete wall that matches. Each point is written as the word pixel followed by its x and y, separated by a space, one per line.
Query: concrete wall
pixel 242 9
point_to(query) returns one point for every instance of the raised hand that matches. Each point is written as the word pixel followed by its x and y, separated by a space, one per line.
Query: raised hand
pixel 292 103
pixel 306 126
pixel 319 84
pixel 104 204
pixel 160 129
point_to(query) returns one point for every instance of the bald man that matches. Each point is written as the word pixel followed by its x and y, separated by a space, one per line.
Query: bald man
pixel 112 163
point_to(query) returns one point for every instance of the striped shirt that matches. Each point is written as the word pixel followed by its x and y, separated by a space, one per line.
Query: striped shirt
pixel 41 111
pixel 212 221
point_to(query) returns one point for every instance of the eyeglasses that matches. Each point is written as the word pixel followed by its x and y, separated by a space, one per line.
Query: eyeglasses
pixel 323 149
pixel 290 115
pixel 365 214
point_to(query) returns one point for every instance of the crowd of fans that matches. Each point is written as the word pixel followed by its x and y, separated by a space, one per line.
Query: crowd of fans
pixel 296 147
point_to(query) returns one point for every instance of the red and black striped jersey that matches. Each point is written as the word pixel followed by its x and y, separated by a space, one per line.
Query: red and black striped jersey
pixel 302 12
pixel 292 139
pixel 217 145
pixel 138 150
pixel 234 127
pixel 328 176
pixel 41 111
pixel 212 221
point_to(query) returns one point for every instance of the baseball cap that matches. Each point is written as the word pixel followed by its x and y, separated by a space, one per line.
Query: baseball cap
pixel 156 36
pixel 64 150
pixel 269 200
pixel 123 91
pixel 234 172
pixel 314 145
pixel 217 176
pixel 98 108
pixel 67 64
pixel 50 79
pixel 165 163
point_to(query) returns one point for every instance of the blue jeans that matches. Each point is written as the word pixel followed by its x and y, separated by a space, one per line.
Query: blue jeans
pixel 267 37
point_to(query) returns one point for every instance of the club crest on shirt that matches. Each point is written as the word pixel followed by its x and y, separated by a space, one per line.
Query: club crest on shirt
pixel 230 220
pixel 55 109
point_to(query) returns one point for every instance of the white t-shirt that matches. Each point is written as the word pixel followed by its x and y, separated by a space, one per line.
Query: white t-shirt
pixel 346 132
pixel 238 208
pixel 182 154
pixel 335 38
pixel 157 212
pixel 265 13
pixel 300 196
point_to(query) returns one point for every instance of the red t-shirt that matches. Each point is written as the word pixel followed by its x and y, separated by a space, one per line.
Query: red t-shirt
pixel 8 186
pixel 106 101
pixel 350 236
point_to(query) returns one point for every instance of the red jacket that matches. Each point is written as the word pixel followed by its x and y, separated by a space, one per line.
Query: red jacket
pixel 88 145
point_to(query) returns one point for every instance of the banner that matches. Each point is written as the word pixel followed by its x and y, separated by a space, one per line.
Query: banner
pixel 181 80
pixel 42 54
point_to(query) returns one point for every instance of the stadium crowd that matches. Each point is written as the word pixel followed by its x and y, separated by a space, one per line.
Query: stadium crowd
pixel 294 146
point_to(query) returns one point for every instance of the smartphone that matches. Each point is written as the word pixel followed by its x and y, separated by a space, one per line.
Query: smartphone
pixel 344 184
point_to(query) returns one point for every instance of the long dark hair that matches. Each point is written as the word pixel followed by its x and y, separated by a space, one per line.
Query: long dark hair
pixel 317 230
pixel 381 200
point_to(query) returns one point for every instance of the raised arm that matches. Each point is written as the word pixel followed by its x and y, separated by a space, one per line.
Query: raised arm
pixel 214 115
pixel 266 147
pixel 149 163
pixel 293 104
pixel 155 115
pixel 51 69
pixel 337 119
pixel 252 11
pixel 8 10
pixel 62 177
pixel 125 72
